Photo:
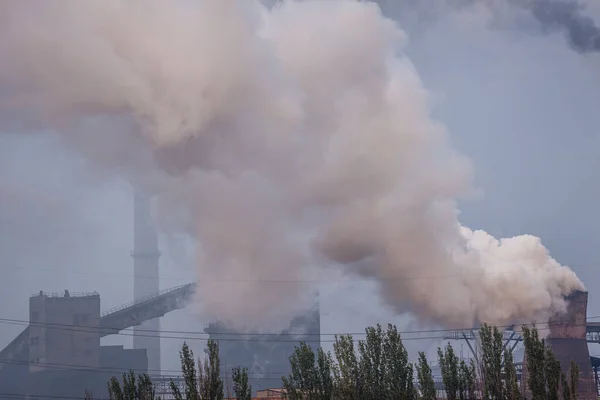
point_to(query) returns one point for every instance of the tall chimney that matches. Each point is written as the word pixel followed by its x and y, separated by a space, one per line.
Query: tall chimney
pixel 145 276
pixel 567 338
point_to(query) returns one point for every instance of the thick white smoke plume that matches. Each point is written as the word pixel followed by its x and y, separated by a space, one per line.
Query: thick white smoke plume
pixel 287 141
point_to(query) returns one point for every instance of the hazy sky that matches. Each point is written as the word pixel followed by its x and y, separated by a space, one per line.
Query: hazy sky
pixel 522 105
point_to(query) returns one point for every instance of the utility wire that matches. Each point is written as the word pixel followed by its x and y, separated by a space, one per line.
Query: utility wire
pixel 120 370
pixel 100 329
pixel 379 278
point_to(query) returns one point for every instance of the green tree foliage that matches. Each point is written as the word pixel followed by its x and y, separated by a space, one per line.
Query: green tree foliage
pixel 204 383
pixel 188 370
pixel 565 387
pixel 573 380
pixel 311 375
pixel 467 380
pixel 372 364
pixel 241 389
pixel 425 378
pixel 132 388
pixel 450 371
pixel 492 344
pixel 378 368
pixel 384 370
pixel 553 373
pixel 498 371
pixel 510 377
pixel 398 372
pixel 346 373
pixel 535 351
pixel 211 384
pixel 544 375
pixel 324 375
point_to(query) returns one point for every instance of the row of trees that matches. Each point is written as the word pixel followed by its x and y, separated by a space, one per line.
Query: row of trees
pixel 377 368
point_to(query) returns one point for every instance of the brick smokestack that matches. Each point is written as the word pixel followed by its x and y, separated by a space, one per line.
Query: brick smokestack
pixel 567 338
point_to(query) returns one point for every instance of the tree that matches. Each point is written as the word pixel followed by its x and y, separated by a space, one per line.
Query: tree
pixel 346 372
pixel 188 369
pixel 544 377
pixel 324 376
pixel 491 362
pixel 206 382
pixel 211 384
pixel 398 372
pixel 553 373
pixel 372 364
pixel 565 387
pixel 535 351
pixel 425 378
pixel 450 376
pixel 573 380
pixel 510 377
pixel 311 375
pixel 241 389
pixel 466 380
pixel 132 388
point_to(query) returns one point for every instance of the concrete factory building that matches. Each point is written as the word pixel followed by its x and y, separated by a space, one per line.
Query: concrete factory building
pixel 266 356
pixel 59 354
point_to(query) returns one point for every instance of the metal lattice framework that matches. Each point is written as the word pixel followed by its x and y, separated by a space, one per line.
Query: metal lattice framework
pixel 145 299
pixel 511 340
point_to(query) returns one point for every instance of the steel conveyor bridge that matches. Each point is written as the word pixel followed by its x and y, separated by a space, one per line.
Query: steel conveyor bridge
pixel 114 320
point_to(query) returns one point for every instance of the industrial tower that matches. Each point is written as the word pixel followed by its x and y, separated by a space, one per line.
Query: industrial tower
pixel 146 279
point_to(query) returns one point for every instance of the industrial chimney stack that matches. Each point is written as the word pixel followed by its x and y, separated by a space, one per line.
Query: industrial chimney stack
pixel 567 338
pixel 146 278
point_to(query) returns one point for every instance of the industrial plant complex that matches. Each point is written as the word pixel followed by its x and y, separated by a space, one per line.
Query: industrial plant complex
pixel 59 355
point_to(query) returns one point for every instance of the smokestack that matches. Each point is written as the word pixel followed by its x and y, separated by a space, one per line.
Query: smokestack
pixel 146 279
pixel 567 338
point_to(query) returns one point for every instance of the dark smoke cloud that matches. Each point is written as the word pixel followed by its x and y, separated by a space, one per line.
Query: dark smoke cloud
pixel 567 16
pixel 582 32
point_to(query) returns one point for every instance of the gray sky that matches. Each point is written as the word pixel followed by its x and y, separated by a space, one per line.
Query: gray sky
pixel 521 105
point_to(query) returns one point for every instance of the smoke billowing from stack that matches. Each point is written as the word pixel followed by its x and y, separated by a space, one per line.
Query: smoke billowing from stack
pixel 290 142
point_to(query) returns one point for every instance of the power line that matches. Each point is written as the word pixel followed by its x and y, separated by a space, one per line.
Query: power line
pixel 119 370
pixel 361 279
pixel 80 328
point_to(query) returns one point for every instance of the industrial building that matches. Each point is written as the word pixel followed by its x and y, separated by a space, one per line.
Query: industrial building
pixel 567 338
pixel 59 354
pixel 567 334
pixel 266 356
